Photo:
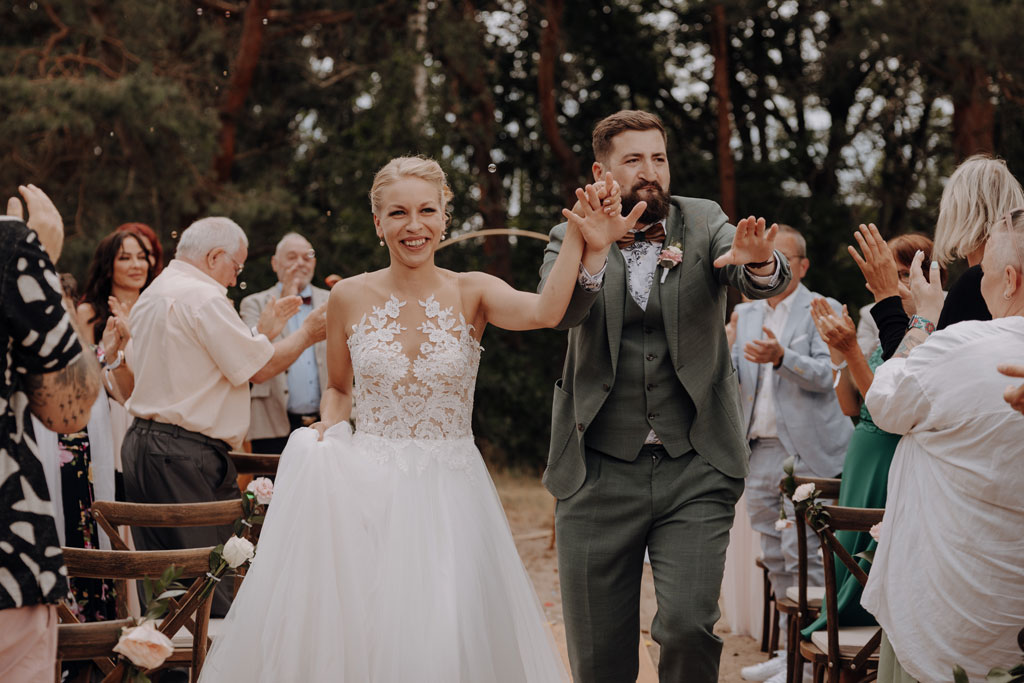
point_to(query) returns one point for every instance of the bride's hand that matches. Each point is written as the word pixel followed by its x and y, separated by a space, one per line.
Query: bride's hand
pixel 319 427
pixel 599 229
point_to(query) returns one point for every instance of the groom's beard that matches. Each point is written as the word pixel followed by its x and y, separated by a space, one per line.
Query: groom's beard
pixel 657 202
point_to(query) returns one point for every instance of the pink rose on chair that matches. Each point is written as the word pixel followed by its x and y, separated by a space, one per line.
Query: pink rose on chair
pixel 144 645
pixel 876 531
pixel 262 488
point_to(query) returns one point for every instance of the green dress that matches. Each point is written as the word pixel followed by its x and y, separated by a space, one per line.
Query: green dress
pixel 865 480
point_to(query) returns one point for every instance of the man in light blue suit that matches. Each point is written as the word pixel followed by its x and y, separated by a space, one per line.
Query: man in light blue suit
pixel 789 409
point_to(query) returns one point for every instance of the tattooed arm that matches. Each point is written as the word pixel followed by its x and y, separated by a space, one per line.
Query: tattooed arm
pixel 62 400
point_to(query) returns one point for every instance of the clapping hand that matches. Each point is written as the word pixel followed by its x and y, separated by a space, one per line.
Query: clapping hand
pixel 767 350
pixel 276 314
pixel 752 243
pixel 1013 395
pixel 115 336
pixel 731 327
pixel 927 293
pixel 599 229
pixel 43 218
pixel 838 331
pixel 877 264
pixel 316 323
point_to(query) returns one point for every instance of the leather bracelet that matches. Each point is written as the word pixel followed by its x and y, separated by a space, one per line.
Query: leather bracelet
pixel 762 264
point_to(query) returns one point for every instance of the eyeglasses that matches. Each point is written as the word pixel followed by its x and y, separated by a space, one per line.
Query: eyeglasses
pixel 304 256
pixel 238 266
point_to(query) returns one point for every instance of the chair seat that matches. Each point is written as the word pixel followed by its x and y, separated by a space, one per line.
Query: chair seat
pixel 787 606
pixel 851 639
pixel 815 595
pixel 183 638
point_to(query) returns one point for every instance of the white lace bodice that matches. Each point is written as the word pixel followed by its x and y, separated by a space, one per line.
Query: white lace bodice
pixel 428 396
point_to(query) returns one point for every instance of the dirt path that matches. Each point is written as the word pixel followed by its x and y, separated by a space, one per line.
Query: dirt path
pixel 529 509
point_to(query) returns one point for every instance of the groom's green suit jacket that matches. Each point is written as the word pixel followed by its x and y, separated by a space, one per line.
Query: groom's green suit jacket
pixel 693 302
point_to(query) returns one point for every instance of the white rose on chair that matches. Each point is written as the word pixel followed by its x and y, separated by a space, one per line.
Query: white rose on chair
pixel 803 492
pixel 237 551
pixel 262 488
pixel 144 645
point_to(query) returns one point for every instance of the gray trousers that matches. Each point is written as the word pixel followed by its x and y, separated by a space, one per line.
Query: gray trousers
pixel 681 510
pixel 167 464
pixel 780 550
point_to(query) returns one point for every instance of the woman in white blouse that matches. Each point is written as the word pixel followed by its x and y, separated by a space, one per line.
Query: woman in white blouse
pixel 947 584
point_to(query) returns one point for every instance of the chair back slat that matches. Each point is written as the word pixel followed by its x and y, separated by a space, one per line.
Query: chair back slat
pixel 82 641
pixel 829 487
pixel 135 564
pixel 254 463
pixel 852 519
pixel 214 513
pixel 845 557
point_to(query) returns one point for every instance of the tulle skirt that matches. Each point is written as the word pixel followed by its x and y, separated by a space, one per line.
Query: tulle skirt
pixel 384 560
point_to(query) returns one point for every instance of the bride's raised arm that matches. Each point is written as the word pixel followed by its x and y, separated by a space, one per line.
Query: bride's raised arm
pixel 511 309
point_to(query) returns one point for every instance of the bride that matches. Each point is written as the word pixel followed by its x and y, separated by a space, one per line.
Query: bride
pixel 385 556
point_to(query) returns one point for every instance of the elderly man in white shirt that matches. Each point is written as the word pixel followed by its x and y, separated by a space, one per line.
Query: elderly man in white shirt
pixel 193 359
pixel 947 584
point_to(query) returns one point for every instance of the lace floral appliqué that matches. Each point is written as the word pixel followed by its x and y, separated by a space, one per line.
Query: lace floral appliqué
pixel 427 397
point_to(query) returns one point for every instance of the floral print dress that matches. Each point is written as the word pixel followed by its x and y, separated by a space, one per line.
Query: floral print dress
pixel 91 599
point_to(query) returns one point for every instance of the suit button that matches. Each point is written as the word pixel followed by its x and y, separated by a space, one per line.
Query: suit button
pixel 648 330
pixel 605 387
pixel 651 356
pixel 651 416
pixel 650 387
pixel 580 426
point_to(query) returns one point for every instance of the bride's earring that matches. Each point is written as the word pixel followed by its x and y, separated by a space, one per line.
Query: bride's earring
pixel 382 242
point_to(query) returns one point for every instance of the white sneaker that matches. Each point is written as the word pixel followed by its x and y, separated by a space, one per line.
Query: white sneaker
pixel 778 678
pixel 768 670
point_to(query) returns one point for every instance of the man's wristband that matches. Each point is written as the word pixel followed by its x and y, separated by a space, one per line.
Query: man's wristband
pixel 921 323
pixel 762 264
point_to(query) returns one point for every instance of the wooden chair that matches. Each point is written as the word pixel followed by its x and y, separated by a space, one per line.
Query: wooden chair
pixel 804 601
pixel 95 641
pixel 848 651
pixel 769 617
pixel 112 514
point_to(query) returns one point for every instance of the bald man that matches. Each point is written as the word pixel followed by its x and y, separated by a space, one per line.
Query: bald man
pixel 291 399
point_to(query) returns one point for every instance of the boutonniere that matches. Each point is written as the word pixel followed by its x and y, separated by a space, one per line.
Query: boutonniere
pixel 669 258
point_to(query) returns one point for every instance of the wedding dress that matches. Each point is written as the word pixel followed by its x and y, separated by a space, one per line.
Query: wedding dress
pixel 386 556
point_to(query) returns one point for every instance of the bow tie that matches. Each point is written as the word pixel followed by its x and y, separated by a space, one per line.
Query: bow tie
pixel 307 300
pixel 653 233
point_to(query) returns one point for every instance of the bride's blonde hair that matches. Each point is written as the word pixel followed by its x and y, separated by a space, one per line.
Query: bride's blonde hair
pixel 412 167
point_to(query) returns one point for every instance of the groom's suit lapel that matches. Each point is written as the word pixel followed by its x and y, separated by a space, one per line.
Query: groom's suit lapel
pixel 669 291
pixel 614 301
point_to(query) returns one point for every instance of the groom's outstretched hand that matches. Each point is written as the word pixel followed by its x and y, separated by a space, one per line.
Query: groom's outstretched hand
pixel 599 229
pixel 751 244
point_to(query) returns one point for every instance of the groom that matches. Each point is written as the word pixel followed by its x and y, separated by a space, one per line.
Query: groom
pixel 647 445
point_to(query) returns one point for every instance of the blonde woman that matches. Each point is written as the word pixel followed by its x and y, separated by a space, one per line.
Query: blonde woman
pixel 386 555
pixel 980 191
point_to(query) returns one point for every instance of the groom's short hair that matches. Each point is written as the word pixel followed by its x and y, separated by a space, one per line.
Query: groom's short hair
pixel 627 119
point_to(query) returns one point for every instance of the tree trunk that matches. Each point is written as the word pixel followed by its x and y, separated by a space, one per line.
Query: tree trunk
pixel 973 113
pixel 550 39
pixel 726 164
pixel 242 71
pixel 418 29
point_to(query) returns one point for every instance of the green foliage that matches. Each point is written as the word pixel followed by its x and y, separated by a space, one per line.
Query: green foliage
pixel 840 116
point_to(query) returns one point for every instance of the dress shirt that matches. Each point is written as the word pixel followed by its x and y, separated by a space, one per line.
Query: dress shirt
pixel 303 377
pixel 762 422
pixel 947 577
pixel 193 356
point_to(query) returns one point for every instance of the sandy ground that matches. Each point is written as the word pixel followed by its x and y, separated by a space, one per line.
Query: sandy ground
pixel 530 508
